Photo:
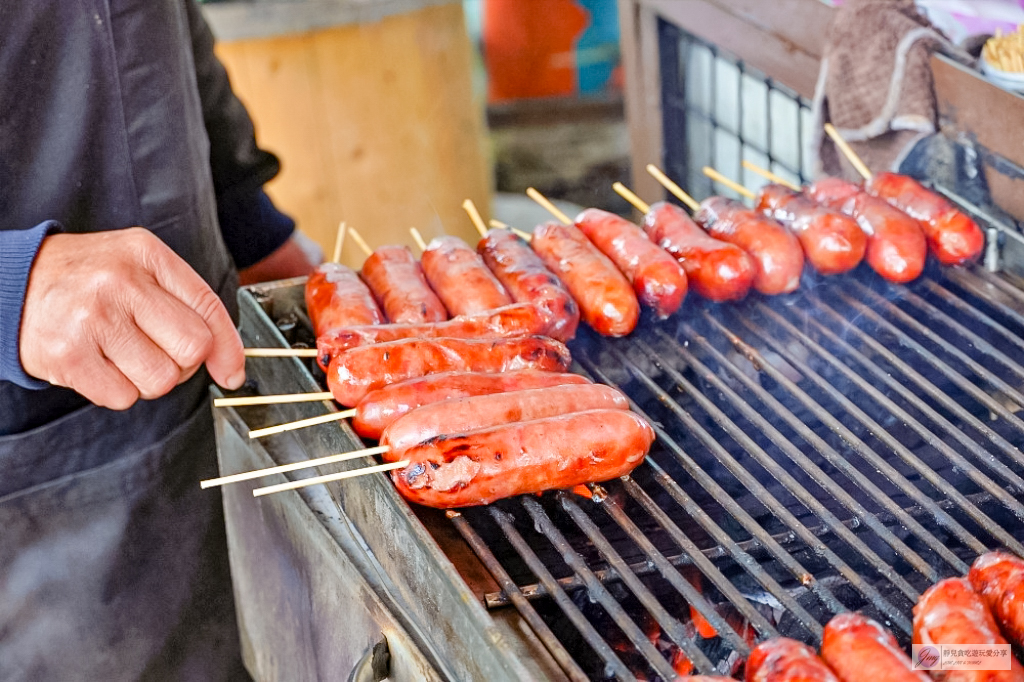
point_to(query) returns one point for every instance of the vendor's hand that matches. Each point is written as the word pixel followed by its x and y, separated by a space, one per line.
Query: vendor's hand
pixel 117 316
pixel 297 257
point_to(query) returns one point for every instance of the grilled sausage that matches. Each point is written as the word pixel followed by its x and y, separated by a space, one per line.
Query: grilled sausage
pixel 657 278
pixel 775 251
pixel 528 280
pixel 397 282
pixel 950 613
pixel 860 650
pixel 833 243
pixel 460 279
pixel 999 578
pixel 607 302
pixel 896 245
pixel 479 467
pixel 355 372
pixel 717 270
pixel 336 298
pixel 952 236
pixel 381 407
pixel 518 319
pixel 786 660
pixel 486 411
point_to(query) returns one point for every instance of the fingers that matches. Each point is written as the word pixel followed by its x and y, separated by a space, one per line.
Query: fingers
pixel 98 379
pixel 142 362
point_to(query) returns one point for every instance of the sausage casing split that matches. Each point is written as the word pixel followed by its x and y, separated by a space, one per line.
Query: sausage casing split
pixel 952 236
pixel 999 578
pixel 860 650
pixel 486 411
pixel 460 278
pixel 528 280
pixel 775 250
pixel 657 278
pixel 897 248
pixel 786 660
pixel 396 279
pixel 607 302
pixel 518 319
pixel 336 298
pixel 355 372
pixel 479 467
pixel 717 270
pixel 951 613
pixel 381 407
pixel 833 242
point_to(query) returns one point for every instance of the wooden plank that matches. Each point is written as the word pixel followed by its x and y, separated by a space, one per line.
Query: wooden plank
pixel 375 125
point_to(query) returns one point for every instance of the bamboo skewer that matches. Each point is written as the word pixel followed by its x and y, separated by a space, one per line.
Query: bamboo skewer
pixel 768 175
pixel 498 224
pixel 418 238
pixel 302 423
pixel 848 152
pixel 632 198
pixel 358 239
pixel 474 215
pixel 281 352
pixel 273 399
pixel 292 485
pixel 731 184
pixel 546 203
pixel 339 242
pixel 672 187
pixel 308 464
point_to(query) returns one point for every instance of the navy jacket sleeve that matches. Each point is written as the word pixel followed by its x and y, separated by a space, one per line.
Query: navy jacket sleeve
pixel 250 224
pixel 18 249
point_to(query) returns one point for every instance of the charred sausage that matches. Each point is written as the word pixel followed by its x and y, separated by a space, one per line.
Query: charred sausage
pixel 949 613
pixel 518 319
pixel 397 282
pixel 460 279
pixel 952 236
pixel 896 244
pixel 336 298
pixel 479 467
pixel 786 660
pixel 607 302
pixel 717 270
pixel 999 578
pixel 833 243
pixel 775 251
pixel 357 371
pixel 860 650
pixel 381 407
pixel 657 278
pixel 486 411
pixel 528 280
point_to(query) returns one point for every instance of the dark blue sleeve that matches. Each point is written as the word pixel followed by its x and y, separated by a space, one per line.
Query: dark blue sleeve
pixel 252 226
pixel 18 249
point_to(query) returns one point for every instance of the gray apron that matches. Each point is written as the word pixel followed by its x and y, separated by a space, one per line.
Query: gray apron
pixel 112 560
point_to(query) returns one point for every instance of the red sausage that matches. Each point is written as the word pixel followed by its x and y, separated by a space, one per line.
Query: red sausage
pixel 717 270
pixel 479 467
pixel 518 319
pixel 833 242
pixel 786 660
pixel 528 280
pixel 999 578
pixel 606 299
pixel 383 406
pixel 336 298
pixel 860 650
pixel 494 409
pixel 896 245
pixel 657 278
pixel 460 279
pixel 950 613
pixel 776 251
pixel 396 280
pixel 952 236
pixel 355 372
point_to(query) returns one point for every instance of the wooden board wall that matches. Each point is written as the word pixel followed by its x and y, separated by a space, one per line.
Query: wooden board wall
pixel 375 124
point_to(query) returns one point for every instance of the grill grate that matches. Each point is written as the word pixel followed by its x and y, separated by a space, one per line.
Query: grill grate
pixel 840 448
